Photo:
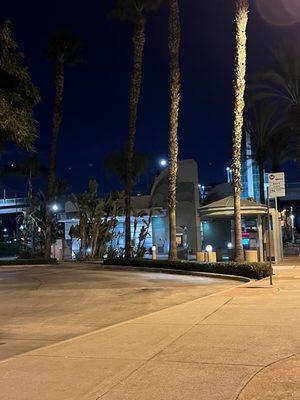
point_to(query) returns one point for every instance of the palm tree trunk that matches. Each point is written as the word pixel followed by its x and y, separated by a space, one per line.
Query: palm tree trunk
pixel 57 118
pixel 174 45
pixel 136 79
pixel 242 7
pixel 261 182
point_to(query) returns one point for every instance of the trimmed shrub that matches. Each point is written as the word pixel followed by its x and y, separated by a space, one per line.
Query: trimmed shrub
pixel 35 261
pixel 256 270
pixel 9 249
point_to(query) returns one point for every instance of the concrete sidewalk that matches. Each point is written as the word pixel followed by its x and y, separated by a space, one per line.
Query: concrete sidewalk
pixel 243 343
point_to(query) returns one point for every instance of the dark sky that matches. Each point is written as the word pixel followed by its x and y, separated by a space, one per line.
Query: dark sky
pixel 96 93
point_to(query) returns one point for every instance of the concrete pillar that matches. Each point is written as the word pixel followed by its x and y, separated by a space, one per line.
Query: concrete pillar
pixel 260 238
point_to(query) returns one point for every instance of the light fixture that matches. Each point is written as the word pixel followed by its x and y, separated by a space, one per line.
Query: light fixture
pixel 229 245
pixel 163 162
pixel 55 207
pixel 209 248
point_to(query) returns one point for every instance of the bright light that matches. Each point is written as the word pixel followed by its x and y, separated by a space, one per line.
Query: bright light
pixel 12 165
pixel 88 250
pixel 227 169
pixel 209 248
pixel 163 162
pixel 229 245
pixel 55 207
pixel 5 230
pixel 22 227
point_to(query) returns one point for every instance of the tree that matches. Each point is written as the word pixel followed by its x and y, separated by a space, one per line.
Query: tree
pixel 134 11
pixel 63 49
pixel 241 18
pixel 265 127
pixel 115 164
pixel 281 85
pixel 18 95
pixel 97 219
pixel 174 45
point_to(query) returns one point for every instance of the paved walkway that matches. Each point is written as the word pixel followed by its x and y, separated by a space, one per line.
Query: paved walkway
pixel 242 343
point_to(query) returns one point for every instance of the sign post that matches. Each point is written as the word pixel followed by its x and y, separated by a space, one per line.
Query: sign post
pixel 276 186
pixel 269 238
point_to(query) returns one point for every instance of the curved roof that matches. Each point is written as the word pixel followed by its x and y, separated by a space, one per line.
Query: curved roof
pixel 225 207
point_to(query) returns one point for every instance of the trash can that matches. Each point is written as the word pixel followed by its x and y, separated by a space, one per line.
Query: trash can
pixel 251 255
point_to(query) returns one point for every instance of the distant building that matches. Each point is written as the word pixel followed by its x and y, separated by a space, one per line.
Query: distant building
pixel 250 171
pixel 188 221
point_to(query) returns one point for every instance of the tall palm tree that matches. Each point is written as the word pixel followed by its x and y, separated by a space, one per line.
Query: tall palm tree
pixel 174 47
pixel 134 11
pixel 241 18
pixel 63 49
pixel 282 85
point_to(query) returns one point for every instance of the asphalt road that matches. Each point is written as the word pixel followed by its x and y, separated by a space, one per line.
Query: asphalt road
pixel 43 305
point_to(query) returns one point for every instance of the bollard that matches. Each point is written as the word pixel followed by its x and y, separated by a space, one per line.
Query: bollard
pixel 212 256
pixel 154 253
pixel 200 255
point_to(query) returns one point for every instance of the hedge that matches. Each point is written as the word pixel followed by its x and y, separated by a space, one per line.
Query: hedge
pixel 34 261
pixel 9 249
pixel 255 270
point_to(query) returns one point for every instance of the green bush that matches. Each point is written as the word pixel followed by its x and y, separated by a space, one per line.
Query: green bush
pixel 9 249
pixel 35 261
pixel 255 270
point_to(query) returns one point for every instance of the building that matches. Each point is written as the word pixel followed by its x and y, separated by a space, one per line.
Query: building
pixel 154 205
pixel 250 171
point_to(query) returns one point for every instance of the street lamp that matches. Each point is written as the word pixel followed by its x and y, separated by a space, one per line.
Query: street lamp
pixel 229 174
pixel 292 216
pixel 163 162
pixel 55 207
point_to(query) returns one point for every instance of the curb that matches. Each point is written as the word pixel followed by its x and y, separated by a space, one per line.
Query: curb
pixel 175 272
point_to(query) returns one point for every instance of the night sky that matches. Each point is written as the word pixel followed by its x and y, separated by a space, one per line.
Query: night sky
pixel 96 93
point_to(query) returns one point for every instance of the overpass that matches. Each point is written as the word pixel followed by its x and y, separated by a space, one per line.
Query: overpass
pixel 12 206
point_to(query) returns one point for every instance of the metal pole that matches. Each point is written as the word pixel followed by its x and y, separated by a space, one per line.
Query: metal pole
pixel 276 205
pixel 269 238
pixel 292 224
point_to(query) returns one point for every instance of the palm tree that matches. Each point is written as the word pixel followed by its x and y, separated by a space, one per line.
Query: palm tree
pixel 241 18
pixel 134 11
pixel 174 46
pixel 115 164
pixel 282 148
pixel 265 127
pixel 282 85
pixel 63 49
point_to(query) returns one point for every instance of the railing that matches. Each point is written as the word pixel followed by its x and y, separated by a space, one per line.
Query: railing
pixel 13 202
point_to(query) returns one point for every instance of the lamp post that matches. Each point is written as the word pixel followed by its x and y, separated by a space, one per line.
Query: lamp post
pixel 292 216
pixel 229 174
pixel 163 162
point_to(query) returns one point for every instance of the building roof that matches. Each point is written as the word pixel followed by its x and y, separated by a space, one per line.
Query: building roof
pixel 225 207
